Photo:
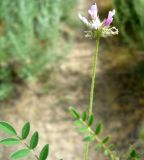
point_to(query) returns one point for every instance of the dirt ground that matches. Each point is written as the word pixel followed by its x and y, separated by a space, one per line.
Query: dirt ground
pixel 45 104
pixel 47 110
pixel 118 101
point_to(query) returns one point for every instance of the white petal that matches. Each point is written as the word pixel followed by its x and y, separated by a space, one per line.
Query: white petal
pixel 93 11
pixel 83 19
pixel 96 24
pixel 89 11
pixel 94 8
pixel 113 12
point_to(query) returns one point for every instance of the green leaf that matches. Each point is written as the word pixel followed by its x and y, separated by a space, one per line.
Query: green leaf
pixel 83 130
pixel 10 141
pixel 25 130
pixel 133 154
pixel 44 152
pixel 98 147
pixel 90 120
pixel 106 152
pixel 74 113
pixel 78 123
pixel 34 140
pixel 106 140
pixel 20 154
pixel 98 129
pixel 88 138
pixel 84 116
pixel 7 128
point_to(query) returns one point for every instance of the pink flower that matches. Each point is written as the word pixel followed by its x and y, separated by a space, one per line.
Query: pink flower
pixel 94 24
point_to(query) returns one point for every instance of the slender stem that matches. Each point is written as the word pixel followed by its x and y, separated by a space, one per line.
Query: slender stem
pixel 93 77
pixel 92 90
pixel 86 151
pixel 27 146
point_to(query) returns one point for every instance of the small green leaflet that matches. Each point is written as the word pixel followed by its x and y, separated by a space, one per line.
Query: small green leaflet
pixel 106 140
pixel 7 128
pixel 88 138
pixel 84 116
pixel 74 113
pixel 10 141
pixel 44 152
pixel 20 154
pixel 90 120
pixel 106 152
pixel 98 129
pixel 25 130
pixel 34 140
pixel 83 129
pixel 78 123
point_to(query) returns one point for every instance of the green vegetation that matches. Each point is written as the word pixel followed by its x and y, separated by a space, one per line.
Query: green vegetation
pixel 21 139
pixel 29 39
pixel 130 21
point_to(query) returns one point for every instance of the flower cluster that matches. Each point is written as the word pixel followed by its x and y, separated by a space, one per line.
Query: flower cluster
pixel 96 27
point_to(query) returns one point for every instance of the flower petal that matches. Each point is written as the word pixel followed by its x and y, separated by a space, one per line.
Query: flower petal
pixel 83 19
pixel 112 13
pixel 96 24
pixel 93 11
pixel 109 20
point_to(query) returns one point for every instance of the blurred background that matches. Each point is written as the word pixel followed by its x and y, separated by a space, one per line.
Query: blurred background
pixel 45 67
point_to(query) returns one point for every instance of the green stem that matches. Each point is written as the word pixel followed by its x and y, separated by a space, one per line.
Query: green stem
pixel 92 90
pixel 93 77
pixel 27 146
pixel 86 151
pixel 99 141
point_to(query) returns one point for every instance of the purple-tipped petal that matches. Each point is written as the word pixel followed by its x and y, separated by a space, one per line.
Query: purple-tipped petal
pixel 84 20
pixel 93 11
pixel 109 20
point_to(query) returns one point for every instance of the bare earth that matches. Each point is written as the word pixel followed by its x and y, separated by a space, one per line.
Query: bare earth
pixel 45 104
pixel 48 113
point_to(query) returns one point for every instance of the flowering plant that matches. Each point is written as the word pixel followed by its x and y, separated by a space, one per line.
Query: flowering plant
pixel 84 122
pixel 96 27
pixel 96 30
